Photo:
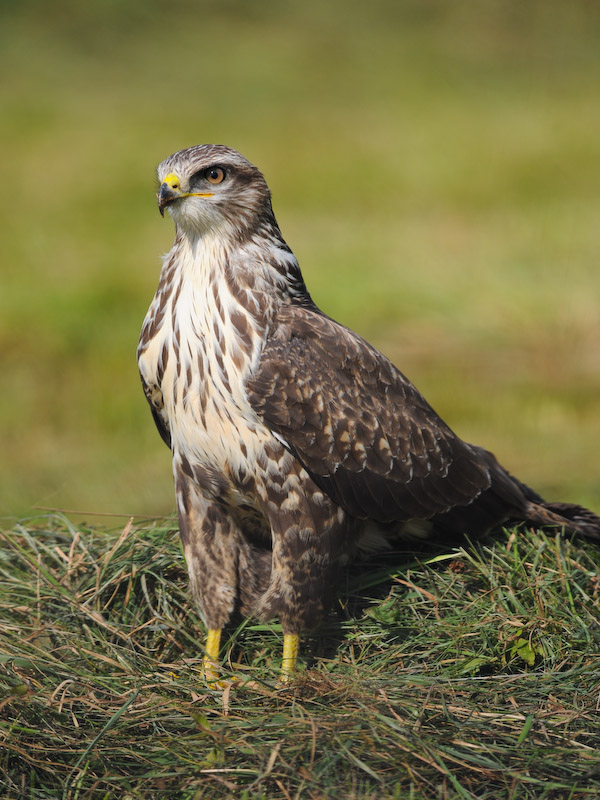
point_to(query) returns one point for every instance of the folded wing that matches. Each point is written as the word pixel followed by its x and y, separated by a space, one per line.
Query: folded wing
pixel 363 432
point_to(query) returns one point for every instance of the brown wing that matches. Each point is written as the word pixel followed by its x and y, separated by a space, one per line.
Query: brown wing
pixel 358 426
pixel 155 401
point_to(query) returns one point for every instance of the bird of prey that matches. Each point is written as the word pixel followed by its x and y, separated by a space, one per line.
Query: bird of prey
pixel 295 443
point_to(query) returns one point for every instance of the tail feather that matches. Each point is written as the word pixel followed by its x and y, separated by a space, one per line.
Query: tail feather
pixel 509 501
pixel 528 506
pixel 571 517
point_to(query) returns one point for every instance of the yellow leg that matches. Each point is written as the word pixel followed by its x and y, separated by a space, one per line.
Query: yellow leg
pixel 211 659
pixel 291 643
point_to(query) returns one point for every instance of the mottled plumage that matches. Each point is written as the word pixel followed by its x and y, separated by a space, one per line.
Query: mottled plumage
pixel 295 443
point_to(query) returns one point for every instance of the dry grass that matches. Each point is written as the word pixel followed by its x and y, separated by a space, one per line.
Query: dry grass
pixel 470 674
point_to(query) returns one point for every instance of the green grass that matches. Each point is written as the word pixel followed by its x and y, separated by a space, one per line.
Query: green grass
pixel 434 166
pixel 470 674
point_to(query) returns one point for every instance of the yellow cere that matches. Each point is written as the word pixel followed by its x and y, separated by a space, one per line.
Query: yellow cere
pixel 172 181
pixel 174 184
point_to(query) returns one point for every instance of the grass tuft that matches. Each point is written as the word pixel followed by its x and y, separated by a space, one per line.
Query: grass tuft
pixel 468 674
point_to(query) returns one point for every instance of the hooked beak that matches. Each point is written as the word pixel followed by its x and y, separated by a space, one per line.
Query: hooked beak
pixel 170 191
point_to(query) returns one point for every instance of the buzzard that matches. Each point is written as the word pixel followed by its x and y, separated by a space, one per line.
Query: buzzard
pixel 295 443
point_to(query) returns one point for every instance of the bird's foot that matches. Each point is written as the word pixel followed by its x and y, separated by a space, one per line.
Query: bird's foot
pixel 210 664
pixel 289 662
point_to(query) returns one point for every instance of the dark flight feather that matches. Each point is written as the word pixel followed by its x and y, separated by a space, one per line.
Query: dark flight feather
pixel 377 447
pixel 371 441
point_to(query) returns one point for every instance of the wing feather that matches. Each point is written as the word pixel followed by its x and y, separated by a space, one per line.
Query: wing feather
pixel 156 403
pixel 363 432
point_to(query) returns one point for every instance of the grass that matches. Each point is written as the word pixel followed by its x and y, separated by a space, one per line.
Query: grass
pixel 434 166
pixel 467 674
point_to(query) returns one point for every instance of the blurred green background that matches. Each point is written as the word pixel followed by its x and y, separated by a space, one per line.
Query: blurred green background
pixel 435 166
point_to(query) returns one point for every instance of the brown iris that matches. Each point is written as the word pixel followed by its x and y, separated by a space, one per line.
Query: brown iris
pixel 215 175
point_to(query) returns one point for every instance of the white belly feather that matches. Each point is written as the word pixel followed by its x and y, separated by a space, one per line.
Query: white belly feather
pixel 204 402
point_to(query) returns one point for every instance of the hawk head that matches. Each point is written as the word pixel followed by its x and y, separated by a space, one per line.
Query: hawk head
pixel 212 187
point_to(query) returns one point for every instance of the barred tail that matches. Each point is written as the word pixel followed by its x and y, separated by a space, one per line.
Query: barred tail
pixel 571 517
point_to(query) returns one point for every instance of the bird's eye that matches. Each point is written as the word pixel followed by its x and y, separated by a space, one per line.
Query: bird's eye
pixel 215 175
